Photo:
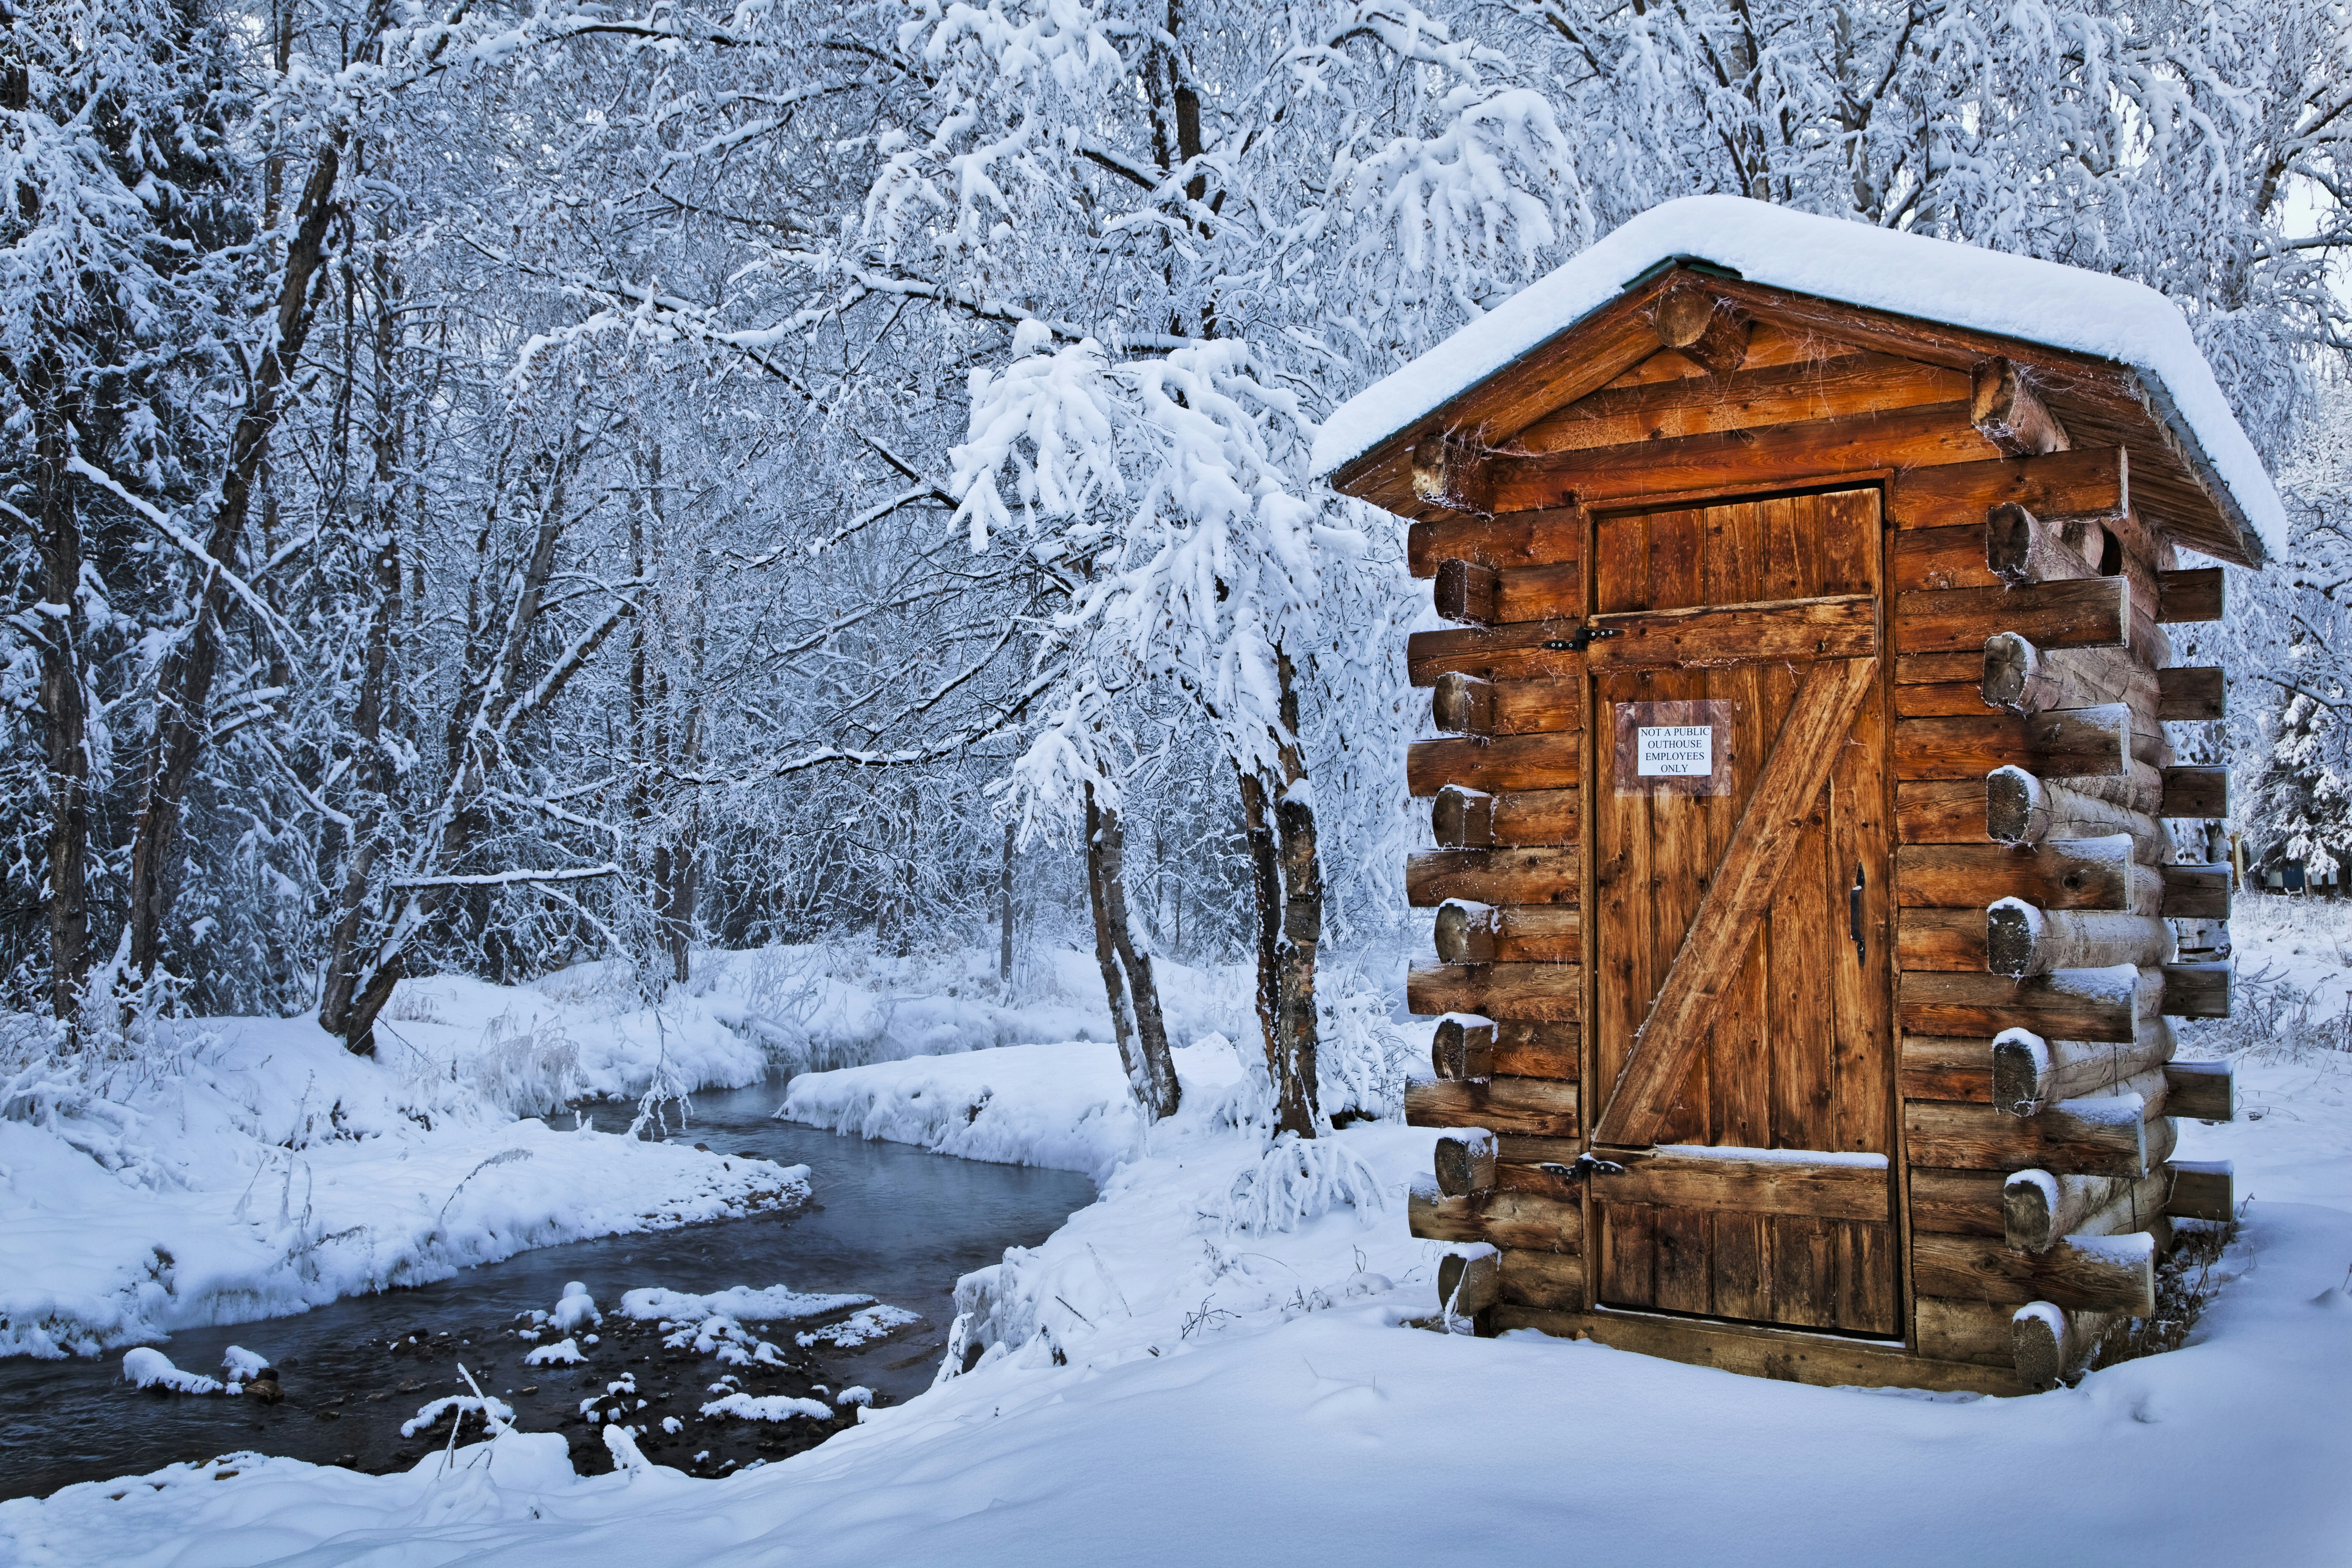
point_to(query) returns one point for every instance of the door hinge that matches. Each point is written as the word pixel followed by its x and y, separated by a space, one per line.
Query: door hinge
pixel 1586 1165
pixel 1581 638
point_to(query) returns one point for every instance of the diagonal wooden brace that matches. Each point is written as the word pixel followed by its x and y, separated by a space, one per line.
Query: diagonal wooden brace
pixel 1736 898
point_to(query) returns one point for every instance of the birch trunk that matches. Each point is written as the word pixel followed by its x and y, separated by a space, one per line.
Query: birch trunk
pixel 1134 996
pixel 1286 877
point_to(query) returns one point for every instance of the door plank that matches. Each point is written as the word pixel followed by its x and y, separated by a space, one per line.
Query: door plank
pixel 1796 629
pixel 1777 815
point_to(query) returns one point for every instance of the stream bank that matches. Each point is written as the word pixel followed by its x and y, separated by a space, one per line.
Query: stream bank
pixel 887 1221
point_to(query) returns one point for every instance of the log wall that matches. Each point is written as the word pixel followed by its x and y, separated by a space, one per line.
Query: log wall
pixel 2038 894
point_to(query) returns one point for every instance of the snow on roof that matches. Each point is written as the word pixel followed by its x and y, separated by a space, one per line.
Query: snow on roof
pixel 1859 264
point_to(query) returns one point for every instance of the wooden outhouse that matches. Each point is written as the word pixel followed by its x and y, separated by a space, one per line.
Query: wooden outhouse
pixel 1815 881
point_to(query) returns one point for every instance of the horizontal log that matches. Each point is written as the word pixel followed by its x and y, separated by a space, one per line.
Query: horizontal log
pixel 2094 612
pixel 2197 989
pixel 2190 694
pixel 2062 874
pixel 1846 385
pixel 1509 763
pixel 1773 455
pixel 2204 1190
pixel 2022 810
pixel 2030 1072
pixel 2007 412
pixel 1939 558
pixel 2196 792
pixel 2102 1273
pixel 1544 1108
pixel 1465 705
pixel 2039 1209
pixel 1533 1277
pixel 1775 1182
pixel 1941 811
pixel 2091 482
pixel 1520 876
pixel 1464 1162
pixel 1539 992
pixel 1482 595
pixel 2203 1091
pixel 1473 819
pixel 1939 939
pixel 2196 892
pixel 2020 548
pixel 2072 1005
pixel 2085 743
pixel 2189 596
pixel 2050 1345
pixel 2021 940
pixel 1959 1331
pixel 2016 677
pixel 1956 1203
pixel 1544 538
pixel 2075 1137
pixel 1482 933
pixel 1946 1067
pixel 1529 1047
pixel 1705 637
pixel 1469 1282
pixel 1462 1047
pixel 1499 1218
pixel 1822 1360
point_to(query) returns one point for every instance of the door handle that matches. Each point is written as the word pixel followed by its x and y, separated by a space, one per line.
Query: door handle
pixel 1853 916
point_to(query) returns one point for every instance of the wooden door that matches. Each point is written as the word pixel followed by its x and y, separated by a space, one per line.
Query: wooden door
pixel 1741 932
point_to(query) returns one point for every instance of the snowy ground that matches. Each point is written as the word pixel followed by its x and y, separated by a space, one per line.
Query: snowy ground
pixel 255 1168
pixel 1208 1365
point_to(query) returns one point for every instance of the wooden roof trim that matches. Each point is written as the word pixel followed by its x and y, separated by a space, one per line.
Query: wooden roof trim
pixel 1505 403
pixel 1495 404
pixel 2064 375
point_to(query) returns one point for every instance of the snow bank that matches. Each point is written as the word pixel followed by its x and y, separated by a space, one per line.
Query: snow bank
pixel 2016 296
pixel 272 1170
pixel 817 1007
pixel 775 1304
pixel 264 1169
pixel 1169 1393
pixel 1063 1107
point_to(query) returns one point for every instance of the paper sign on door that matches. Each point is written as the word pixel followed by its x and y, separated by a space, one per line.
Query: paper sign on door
pixel 1677 748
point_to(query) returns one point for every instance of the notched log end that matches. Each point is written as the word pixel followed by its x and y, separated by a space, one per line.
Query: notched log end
pixel 1451 472
pixel 2007 413
pixel 1704 328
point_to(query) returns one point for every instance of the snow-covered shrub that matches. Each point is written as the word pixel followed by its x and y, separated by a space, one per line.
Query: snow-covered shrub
pixel 528 1071
pixel 1362 1058
pixel 1295 1182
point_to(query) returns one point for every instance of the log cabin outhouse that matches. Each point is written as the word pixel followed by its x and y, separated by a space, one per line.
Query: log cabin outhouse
pixel 1815 881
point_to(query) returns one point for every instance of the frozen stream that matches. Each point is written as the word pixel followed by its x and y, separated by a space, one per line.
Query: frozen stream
pixel 887 1221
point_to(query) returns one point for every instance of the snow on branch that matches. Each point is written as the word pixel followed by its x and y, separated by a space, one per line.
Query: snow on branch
pixel 505 879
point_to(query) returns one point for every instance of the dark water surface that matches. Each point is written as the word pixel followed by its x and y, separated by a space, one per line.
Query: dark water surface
pixel 887 1221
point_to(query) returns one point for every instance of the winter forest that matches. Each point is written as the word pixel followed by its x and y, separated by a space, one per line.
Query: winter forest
pixel 494 486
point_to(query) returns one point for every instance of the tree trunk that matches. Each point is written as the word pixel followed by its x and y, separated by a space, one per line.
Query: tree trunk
pixel 65 712
pixel 507 691
pixel 1126 970
pixel 1004 910
pixel 1286 875
pixel 375 767
pixel 183 691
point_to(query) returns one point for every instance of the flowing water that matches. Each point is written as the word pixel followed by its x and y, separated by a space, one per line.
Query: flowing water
pixel 887 1221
